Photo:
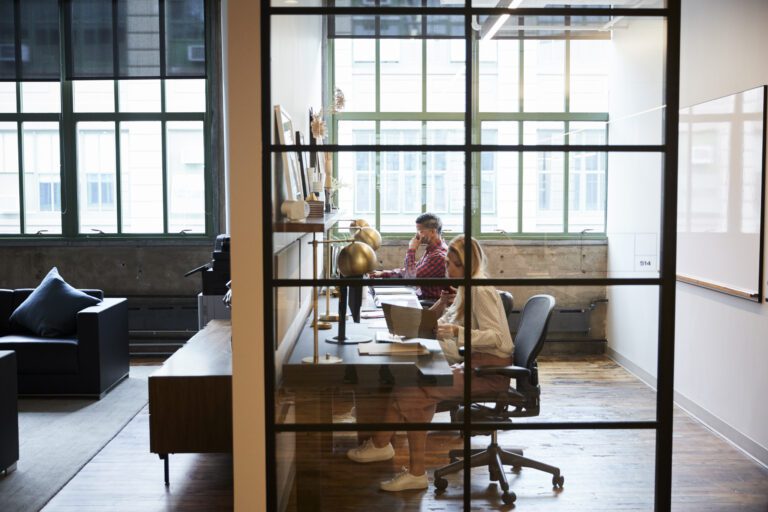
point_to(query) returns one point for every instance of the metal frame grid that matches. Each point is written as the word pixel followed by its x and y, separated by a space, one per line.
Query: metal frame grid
pixel 666 282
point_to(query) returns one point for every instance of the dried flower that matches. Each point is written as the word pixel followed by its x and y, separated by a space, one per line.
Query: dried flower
pixel 318 126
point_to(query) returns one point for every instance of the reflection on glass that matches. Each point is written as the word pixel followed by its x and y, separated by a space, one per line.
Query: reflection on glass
pixel 400 177
pixel 9 179
pixel 544 76
pixel 590 65
pixel 96 177
pixel 445 174
pixel 499 186
pixel 586 179
pixel 141 177
pixel 401 75
pixel 357 171
pixel 445 75
pixel 354 73
pixel 42 179
pixel 186 181
pixel 499 76
pixel 93 95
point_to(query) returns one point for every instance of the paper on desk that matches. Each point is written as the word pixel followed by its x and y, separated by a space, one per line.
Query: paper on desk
pixel 392 349
pixel 392 290
pixel 402 300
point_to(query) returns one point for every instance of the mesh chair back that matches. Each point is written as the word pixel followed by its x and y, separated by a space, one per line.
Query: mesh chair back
pixel 508 302
pixel 533 329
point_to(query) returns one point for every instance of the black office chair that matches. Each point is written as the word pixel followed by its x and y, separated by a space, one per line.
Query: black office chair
pixel 519 400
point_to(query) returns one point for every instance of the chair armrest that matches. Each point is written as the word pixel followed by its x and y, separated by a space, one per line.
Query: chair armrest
pixel 102 336
pixel 512 372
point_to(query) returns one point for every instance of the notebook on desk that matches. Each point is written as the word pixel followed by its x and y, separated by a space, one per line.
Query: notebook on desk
pixel 413 348
pixel 409 322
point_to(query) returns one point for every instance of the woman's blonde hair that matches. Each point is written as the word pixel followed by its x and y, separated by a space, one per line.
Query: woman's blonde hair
pixel 455 313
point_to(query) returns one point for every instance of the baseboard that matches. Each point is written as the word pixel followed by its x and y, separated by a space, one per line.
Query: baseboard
pixel 718 426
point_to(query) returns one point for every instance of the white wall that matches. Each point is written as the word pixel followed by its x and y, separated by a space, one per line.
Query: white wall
pixel 721 341
pixel 634 199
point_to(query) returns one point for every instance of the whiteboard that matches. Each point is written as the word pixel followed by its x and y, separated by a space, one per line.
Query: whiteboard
pixel 721 194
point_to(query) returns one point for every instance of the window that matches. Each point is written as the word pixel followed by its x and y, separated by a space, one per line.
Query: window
pixel 112 139
pixel 533 91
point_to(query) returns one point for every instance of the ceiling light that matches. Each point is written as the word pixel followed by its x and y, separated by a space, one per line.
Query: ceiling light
pixel 511 4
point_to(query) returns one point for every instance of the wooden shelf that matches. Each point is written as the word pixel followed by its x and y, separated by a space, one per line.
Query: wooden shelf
pixel 309 225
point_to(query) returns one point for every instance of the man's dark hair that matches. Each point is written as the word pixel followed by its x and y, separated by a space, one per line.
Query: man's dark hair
pixel 430 221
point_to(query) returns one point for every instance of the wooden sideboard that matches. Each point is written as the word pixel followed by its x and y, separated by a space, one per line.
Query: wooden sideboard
pixel 190 396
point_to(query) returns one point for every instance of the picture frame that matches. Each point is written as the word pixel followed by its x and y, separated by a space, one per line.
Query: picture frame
pixel 290 163
pixel 306 179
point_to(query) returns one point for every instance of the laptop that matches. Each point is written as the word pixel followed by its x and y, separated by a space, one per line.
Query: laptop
pixel 409 322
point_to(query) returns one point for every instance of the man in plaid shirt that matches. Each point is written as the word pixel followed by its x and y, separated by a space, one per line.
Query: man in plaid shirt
pixel 429 228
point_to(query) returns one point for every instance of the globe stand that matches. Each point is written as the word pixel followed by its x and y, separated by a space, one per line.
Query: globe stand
pixel 355 304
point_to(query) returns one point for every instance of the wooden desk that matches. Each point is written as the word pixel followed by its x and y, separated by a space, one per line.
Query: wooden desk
pixel 314 386
pixel 190 397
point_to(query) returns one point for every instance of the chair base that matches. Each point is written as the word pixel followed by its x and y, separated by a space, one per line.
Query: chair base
pixel 495 458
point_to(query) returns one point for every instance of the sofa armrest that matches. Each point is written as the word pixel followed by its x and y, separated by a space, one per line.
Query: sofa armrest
pixel 102 334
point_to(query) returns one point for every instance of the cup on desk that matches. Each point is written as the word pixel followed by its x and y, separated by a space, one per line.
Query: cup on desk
pixel 295 209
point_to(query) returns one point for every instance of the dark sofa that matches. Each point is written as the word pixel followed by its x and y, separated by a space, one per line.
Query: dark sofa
pixel 89 362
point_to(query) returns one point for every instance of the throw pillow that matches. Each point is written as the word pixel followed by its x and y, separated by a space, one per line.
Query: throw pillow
pixel 51 309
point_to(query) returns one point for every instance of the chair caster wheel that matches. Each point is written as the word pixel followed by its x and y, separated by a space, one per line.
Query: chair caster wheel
pixel 516 469
pixel 441 484
pixel 508 498
pixel 558 481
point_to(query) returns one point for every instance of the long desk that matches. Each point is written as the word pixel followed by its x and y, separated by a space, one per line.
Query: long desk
pixel 314 386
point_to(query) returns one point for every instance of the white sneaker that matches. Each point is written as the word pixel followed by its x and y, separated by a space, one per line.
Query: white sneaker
pixel 404 481
pixel 367 452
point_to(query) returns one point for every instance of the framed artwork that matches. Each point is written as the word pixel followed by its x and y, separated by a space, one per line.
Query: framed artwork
pixel 306 179
pixel 290 159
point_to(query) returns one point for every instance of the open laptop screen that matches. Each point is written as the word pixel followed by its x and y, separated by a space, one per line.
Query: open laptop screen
pixel 410 322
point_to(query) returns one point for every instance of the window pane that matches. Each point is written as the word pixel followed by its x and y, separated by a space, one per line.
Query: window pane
pixel 8 97
pixel 499 76
pixel 543 192
pixel 185 95
pixel 42 183
pixel 40 97
pixel 94 95
pixel 499 179
pixel 586 179
pixel 445 174
pixel 544 76
pixel 401 75
pixel 139 95
pixel 445 78
pixel 400 177
pixel 186 179
pixel 590 61
pixel 141 177
pixel 356 171
pixel 96 177
pixel 549 133
pixel 9 179
pixel 185 37
pixel 355 72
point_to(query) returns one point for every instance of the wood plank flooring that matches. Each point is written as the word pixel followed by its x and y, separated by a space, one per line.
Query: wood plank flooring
pixel 604 470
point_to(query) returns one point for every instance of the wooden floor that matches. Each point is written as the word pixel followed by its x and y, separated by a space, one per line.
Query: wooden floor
pixel 604 470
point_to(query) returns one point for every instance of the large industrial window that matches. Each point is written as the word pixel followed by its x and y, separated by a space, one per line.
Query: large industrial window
pixel 104 118
pixel 543 89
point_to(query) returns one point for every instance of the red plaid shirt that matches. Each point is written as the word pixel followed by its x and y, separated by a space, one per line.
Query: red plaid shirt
pixel 431 264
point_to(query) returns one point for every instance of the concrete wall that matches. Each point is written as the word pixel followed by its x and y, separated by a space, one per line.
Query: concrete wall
pixel 125 271
pixel 510 259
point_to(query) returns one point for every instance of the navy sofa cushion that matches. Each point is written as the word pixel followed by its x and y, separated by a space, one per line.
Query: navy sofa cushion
pixel 51 309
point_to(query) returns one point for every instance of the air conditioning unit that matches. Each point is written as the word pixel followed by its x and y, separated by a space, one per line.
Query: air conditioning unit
pixel 196 53
pixel 8 52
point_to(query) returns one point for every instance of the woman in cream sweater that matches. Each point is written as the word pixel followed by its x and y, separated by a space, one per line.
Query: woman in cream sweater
pixel 491 345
